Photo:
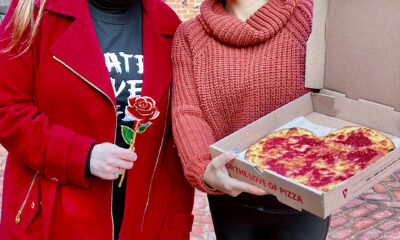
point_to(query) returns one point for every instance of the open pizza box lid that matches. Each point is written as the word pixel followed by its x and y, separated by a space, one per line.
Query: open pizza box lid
pixel 353 56
pixel 354 49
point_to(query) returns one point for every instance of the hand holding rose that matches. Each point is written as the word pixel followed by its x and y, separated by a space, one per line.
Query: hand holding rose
pixel 142 110
pixel 108 160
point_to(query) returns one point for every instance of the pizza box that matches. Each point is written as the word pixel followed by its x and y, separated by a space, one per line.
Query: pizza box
pixel 353 57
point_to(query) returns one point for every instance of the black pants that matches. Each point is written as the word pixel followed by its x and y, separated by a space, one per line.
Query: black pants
pixel 118 205
pixel 235 220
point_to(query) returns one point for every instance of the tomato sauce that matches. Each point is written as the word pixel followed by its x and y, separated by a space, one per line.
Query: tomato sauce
pixel 313 150
pixel 356 139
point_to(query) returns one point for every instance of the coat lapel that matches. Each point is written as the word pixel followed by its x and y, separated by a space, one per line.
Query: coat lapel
pixel 87 62
pixel 157 62
pixel 90 65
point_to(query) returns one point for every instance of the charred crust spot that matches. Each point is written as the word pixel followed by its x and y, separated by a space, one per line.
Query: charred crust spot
pixel 291 131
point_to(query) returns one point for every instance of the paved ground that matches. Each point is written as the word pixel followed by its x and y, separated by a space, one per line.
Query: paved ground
pixel 4 2
pixel 3 7
pixel 374 215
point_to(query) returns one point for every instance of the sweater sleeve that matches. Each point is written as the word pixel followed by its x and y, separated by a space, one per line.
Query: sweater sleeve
pixel 301 22
pixel 192 133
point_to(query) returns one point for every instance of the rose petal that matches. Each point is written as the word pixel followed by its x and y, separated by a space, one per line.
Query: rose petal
pixel 132 100
pixel 156 113
pixel 131 112
pixel 142 108
pixel 151 100
pixel 148 106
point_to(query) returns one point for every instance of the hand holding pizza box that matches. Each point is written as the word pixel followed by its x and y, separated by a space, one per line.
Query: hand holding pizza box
pixel 356 70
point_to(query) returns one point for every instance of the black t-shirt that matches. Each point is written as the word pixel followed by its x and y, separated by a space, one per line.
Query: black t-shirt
pixel 120 38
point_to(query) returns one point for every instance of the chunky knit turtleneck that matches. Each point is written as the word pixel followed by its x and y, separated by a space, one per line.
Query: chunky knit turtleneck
pixel 262 25
pixel 228 73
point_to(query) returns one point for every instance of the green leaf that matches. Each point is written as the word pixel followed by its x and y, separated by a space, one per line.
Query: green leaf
pixel 143 127
pixel 127 134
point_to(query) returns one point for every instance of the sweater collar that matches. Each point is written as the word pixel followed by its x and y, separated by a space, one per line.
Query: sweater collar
pixel 261 26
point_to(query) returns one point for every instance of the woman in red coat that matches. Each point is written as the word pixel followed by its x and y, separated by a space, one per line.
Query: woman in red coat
pixel 60 117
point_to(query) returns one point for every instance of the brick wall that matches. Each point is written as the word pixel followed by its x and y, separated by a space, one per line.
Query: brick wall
pixel 186 9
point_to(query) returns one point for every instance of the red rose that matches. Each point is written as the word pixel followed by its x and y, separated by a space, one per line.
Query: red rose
pixel 142 109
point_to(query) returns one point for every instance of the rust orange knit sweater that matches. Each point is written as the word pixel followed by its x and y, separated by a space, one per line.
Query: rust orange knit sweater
pixel 228 73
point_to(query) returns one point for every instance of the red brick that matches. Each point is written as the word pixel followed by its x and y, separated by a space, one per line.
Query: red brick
pixel 210 227
pixel 397 195
pixel 389 225
pixel 360 212
pixel 181 11
pixel 200 193
pixel 188 16
pixel 354 203
pixel 363 224
pixel 380 188
pixel 393 236
pixel 3 151
pixel 202 219
pixel 394 185
pixel 382 215
pixel 338 222
pixel 391 204
pixel 398 176
pixel 198 212
pixel 339 211
pixel 387 179
pixel 199 203
pixel 369 234
pixel 379 197
pixel 370 190
pixel 342 234
pixel 196 238
pixel 189 5
pixel 175 5
pixel 197 230
pixel 371 206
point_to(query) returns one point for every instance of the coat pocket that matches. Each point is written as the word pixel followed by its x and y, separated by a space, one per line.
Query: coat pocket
pixel 30 206
pixel 180 221
pixel 177 226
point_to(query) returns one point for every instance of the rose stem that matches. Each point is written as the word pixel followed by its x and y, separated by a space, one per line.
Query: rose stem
pixel 130 149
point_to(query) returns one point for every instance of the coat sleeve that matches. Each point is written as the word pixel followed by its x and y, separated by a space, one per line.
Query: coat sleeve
pixel 30 137
pixel 192 133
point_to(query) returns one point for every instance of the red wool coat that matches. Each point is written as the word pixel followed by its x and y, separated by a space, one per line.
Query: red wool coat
pixel 55 102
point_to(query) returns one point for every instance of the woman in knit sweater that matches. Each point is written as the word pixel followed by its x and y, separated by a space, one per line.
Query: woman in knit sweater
pixel 236 62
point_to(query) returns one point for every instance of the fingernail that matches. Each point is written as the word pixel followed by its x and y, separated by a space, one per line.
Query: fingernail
pixel 235 150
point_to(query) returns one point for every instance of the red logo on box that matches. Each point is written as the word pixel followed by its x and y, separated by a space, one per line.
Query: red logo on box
pixel 345 193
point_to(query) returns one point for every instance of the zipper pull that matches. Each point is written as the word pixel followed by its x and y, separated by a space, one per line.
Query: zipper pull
pixel 18 217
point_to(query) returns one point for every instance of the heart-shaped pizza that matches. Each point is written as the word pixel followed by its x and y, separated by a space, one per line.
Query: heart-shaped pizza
pixel 320 163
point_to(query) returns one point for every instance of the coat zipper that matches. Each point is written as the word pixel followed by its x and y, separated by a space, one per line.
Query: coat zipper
pixel 158 158
pixel 19 213
pixel 115 132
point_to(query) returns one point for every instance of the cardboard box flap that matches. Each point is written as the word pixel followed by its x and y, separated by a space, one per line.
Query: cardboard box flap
pixel 316 46
pixel 362 49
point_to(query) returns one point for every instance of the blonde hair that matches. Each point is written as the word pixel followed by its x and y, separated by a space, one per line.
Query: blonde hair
pixel 24 25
